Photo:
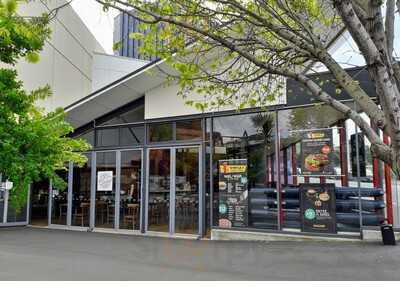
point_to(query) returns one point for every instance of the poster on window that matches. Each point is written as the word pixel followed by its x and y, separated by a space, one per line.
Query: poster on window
pixel 233 193
pixel 105 181
pixel 317 156
pixel 318 208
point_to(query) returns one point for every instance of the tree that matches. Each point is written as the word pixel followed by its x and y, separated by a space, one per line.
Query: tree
pixel 234 51
pixel 33 144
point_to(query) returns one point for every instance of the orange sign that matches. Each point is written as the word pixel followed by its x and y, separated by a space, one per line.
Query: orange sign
pixel 228 169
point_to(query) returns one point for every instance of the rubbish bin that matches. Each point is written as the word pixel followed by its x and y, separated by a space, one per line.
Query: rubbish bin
pixel 388 235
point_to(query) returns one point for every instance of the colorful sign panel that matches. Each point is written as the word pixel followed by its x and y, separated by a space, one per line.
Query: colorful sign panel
pixel 233 193
pixel 317 153
pixel 318 208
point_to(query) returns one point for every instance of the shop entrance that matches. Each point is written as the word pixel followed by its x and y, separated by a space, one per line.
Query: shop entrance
pixel 40 203
pixel 173 190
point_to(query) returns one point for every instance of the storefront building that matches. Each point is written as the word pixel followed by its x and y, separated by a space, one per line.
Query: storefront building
pixel 156 168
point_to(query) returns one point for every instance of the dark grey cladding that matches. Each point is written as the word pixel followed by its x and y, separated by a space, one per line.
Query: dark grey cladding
pixel 299 95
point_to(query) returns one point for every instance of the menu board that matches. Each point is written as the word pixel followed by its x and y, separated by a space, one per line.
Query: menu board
pixel 233 193
pixel 317 153
pixel 318 207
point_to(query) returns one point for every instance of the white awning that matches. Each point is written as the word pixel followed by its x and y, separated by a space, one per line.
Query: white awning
pixel 118 93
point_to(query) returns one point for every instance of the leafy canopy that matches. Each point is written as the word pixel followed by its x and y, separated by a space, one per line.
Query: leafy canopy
pixel 33 144
pixel 221 76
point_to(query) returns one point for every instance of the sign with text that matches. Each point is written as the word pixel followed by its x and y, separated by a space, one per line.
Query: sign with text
pixel 233 193
pixel 105 181
pixel 317 153
pixel 318 208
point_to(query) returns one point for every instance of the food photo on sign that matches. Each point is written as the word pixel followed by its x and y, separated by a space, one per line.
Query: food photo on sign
pixel 318 207
pixel 317 152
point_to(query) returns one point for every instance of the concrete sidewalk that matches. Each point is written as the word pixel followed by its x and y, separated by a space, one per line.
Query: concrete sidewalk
pixel 28 254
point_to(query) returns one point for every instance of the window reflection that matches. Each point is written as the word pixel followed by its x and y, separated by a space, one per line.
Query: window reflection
pixel 293 125
pixel 134 115
pixel 160 132
pixel 189 130
pixel 131 135
pixel 249 137
pixel 107 137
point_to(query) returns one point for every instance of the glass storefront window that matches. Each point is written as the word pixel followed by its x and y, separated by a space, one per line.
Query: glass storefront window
pixel 189 130
pixel 88 137
pixel 60 201
pixel 160 132
pixel 81 193
pixel 131 135
pixel 132 116
pixel 130 195
pixel 105 189
pixel 248 138
pixel 322 145
pixel 17 216
pixel 107 137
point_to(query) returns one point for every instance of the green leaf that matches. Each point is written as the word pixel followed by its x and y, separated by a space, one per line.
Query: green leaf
pixel 32 57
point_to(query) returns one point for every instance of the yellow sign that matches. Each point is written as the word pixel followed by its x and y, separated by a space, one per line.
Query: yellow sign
pixel 227 169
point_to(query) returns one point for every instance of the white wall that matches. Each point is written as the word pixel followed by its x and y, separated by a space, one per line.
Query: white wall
pixel 66 61
pixel 163 101
pixel 108 68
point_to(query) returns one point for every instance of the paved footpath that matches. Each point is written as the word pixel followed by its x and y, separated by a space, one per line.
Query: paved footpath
pixel 28 254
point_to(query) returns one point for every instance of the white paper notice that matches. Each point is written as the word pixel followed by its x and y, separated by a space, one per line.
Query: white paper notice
pixel 105 181
pixel 8 185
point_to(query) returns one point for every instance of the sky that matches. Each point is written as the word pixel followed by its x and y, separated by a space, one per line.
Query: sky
pixel 101 24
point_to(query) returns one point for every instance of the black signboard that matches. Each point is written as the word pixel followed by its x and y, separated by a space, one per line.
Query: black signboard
pixel 233 193
pixel 361 155
pixel 317 153
pixel 318 208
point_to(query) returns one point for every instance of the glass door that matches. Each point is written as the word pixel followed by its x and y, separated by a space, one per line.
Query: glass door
pixel 105 189
pixel 130 190
pixel 173 190
pixel 39 204
pixel 59 203
pixel 187 190
pixel 159 187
